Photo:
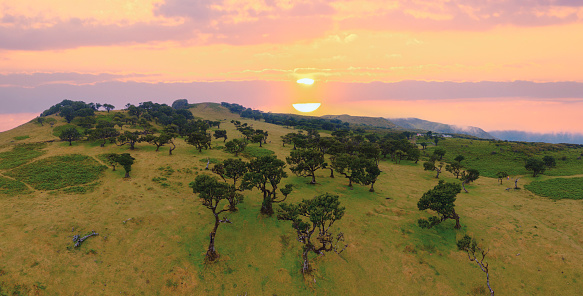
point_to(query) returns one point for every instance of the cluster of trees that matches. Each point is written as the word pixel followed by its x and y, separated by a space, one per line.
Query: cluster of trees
pixel 175 122
pixel 251 134
pixel 466 175
pixel 286 119
pixel 350 154
pixel 83 115
pixel 265 174
pixel 355 154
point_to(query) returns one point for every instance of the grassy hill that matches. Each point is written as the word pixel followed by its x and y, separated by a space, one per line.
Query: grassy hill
pixel 153 231
pixel 364 120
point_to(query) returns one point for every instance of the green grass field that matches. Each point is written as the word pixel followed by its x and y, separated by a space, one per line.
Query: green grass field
pixel 490 157
pixel 152 237
pixel 559 188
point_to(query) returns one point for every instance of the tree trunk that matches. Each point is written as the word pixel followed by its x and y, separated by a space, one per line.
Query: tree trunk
pixel 457 220
pixel 331 173
pixel 313 178
pixel 306 268
pixel 103 143
pixel 211 253
pixel 464 187
pixel 349 182
pixel 260 142
pixel 127 174
pixel 132 145
pixel 371 187
pixel 267 205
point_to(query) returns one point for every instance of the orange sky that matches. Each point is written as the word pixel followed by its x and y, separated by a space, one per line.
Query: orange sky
pixel 79 43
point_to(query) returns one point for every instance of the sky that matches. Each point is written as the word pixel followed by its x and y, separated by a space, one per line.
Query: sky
pixel 495 64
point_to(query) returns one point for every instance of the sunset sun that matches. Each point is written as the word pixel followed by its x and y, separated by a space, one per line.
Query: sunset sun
pixel 306 81
pixel 307 107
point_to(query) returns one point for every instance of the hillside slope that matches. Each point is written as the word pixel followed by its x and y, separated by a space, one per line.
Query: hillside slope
pixel 153 231
pixel 420 124
pixel 363 120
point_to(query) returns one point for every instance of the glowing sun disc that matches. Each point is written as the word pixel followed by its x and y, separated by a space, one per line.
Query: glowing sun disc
pixel 306 81
pixel 308 107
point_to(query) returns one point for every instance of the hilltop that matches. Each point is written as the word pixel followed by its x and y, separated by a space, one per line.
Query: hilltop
pixel 153 231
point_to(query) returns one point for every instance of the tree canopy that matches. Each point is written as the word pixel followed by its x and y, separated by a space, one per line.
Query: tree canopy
pixel 535 165
pixel 305 162
pixel 265 173
pixel 440 199
pixel 70 134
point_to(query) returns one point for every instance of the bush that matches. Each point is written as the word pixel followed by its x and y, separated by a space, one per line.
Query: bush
pixel 257 151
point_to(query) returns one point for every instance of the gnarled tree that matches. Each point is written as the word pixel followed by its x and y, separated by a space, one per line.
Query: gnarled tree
pixel 469 176
pixel 351 166
pixel 305 162
pixel 125 160
pixel 130 138
pixel 469 245
pixel 199 139
pixel 430 166
pixel 70 134
pixel 315 216
pixel 212 192
pixel 440 199
pixel 265 173
pixel 235 146
pixel 501 175
pixel 535 165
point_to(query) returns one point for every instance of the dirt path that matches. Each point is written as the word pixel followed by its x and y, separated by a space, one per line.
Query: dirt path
pixel 28 186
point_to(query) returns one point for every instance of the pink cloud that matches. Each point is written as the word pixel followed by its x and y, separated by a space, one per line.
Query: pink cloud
pixel 204 22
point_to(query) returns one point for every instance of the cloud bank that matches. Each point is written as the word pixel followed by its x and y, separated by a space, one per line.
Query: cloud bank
pixel 270 21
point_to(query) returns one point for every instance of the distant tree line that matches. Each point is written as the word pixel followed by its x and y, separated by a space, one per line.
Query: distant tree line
pixel 287 120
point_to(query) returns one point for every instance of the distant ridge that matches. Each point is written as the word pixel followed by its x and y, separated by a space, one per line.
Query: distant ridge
pixel 364 120
pixel 555 138
pixel 420 124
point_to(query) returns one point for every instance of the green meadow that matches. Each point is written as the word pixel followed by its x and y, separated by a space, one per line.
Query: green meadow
pixel 154 232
